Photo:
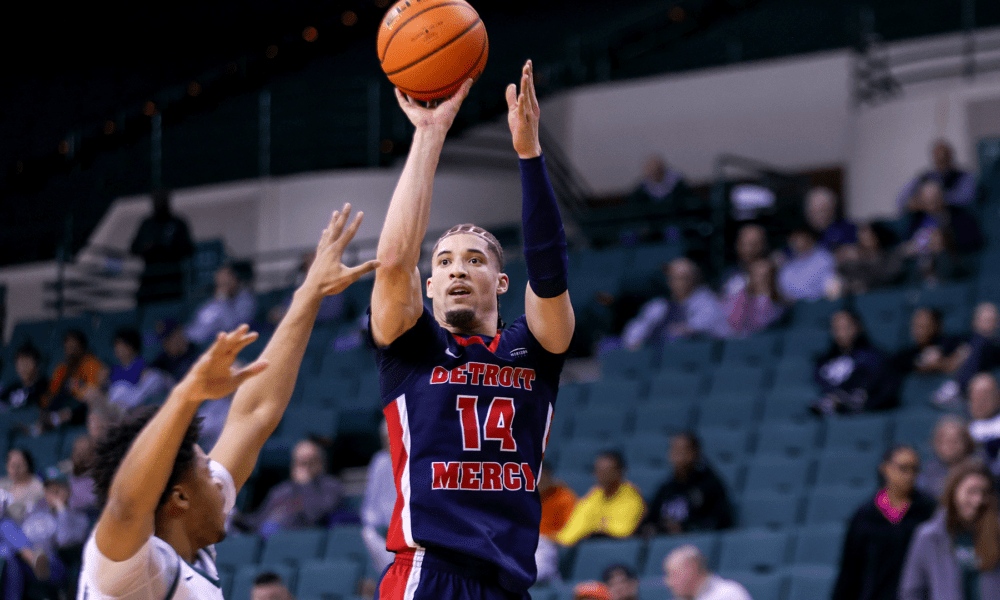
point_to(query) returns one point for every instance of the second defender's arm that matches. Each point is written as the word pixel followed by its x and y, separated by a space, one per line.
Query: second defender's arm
pixel 397 295
pixel 259 405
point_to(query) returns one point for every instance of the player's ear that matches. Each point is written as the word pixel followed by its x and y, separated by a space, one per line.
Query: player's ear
pixel 428 287
pixel 178 502
pixel 503 283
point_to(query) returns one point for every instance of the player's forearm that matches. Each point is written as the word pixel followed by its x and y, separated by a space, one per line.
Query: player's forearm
pixel 142 477
pixel 409 211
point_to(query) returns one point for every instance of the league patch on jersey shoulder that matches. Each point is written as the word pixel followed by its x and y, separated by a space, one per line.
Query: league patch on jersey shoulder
pixel 518 352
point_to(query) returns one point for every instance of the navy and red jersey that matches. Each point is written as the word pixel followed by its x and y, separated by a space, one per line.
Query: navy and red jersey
pixel 468 421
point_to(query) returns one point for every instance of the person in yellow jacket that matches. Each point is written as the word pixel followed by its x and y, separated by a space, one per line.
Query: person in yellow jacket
pixel 613 507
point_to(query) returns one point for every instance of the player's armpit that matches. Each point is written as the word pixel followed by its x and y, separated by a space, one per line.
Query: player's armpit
pixel 396 304
pixel 551 320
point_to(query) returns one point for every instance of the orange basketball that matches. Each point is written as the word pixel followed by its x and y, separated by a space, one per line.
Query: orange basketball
pixel 429 47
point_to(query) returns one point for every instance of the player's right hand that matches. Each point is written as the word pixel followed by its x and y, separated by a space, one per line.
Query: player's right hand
pixel 213 375
pixel 328 275
pixel 440 117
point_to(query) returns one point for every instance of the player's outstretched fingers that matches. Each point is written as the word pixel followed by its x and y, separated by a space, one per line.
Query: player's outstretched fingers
pixel 253 369
pixel 343 240
pixel 511 95
pixel 339 222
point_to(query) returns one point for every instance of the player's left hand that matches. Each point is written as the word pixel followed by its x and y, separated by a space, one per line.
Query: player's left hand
pixel 213 375
pixel 328 275
pixel 523 113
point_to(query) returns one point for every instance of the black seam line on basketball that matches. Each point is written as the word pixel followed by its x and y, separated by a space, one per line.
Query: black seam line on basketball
pixel 436 50
pixel 414 16
pixel 486 43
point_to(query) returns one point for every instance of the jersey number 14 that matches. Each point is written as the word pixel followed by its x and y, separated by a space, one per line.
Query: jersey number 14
pixel 497 427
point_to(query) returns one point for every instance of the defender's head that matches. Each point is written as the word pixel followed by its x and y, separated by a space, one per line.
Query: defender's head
pixel 192 496
pixel 466 279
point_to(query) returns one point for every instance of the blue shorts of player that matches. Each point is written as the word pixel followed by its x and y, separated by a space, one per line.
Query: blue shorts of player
pixel 425 574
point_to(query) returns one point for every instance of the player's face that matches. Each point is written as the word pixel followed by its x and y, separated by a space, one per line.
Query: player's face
pixel 207 502
pixel 464 283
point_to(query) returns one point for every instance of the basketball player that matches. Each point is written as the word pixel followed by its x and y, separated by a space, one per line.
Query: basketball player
pixel 468 405
pixel 165 500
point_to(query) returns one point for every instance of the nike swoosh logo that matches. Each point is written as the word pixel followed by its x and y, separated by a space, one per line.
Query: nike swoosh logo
pixel 450 353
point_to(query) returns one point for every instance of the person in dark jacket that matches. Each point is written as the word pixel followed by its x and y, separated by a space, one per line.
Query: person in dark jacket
pixel 693 499
pixel 853 376
pixel 930 351
pixel 880 531
pixel 956 555
pixel 164 242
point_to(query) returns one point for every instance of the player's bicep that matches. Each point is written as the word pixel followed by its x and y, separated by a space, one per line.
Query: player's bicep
pixel 550 320
pixel 396 304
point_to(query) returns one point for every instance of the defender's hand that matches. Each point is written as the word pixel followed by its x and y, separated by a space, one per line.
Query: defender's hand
pixel 523 113
pixel 440 117
pixel 214 376
pixel 328 275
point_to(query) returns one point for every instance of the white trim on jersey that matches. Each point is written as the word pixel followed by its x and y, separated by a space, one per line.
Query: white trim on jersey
pixel 413 580
pixel 548 425
pixel 404 481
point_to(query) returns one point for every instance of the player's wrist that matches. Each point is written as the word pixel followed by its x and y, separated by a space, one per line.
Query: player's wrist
pixel 530 153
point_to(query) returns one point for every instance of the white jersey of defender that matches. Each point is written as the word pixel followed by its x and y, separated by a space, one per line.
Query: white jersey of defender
pixel 156 572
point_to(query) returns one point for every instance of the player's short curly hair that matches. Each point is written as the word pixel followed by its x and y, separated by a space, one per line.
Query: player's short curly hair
pixel 491 240
pixel 111 450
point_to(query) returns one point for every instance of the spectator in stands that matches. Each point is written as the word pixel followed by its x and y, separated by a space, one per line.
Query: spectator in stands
pixel 331 309
pixel 853 376
pixel 75 383
pixel 693 499
pixel 622 582
pixel 81 485
pixel 809 271
pixel 308 499
pixel 879 533
pixel 660 183
pixel 270 586
pixel 932 351
pixel 759 304
pixel 20 565
pixel 751 245
pixel 25 488
pixel 558 501
pixel 232 305
pixel 821 214
pixel 939 237
pixel 53 526
pixel 164 243
pixel 31 383
pixel 131 383
pixel 692 310
pixel 870 263
pixel 957 553
pixel 980 352
pixel 591 590
pixel 688 577
pixel 952 444
pixel 378 504
pixel 178 354
pixel 613 507
pixel 984 409
pixel 959 186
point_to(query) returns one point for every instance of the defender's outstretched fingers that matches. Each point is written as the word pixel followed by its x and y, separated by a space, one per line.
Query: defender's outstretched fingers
pixel 341 241
pixel 253 369
pixel 338 223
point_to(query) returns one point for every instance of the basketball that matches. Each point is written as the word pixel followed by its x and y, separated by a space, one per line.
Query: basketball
pixel 427 48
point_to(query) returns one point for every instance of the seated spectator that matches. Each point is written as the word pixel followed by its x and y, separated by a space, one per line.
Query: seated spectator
pixel 938 237
pixel 25 488
pixel 378 504
pixel 308 499
pixel 131 383
pixel 269 586
pixel 21 566
pixel 751 245
pixel 688 577
pixel 870 263
pixel 984 409
pixel 178 353
pixel 759 304
pixel 806 275
pixel 959 186
pixel 932 351
pixel 31 383
pixel 981 352
pixel 821 214
pixel 613 507
pixel 622 582
pixel 53 526
pixel 81 485
pixel 332 308
pixel 879 533
pixel 957 553
pixel 558 501
pixel 692 310
pixel 952 444
pixel 591 590
pixel 75 383
pixel 659 182
pixel 693 499
pixel 853 376
pixel 232 305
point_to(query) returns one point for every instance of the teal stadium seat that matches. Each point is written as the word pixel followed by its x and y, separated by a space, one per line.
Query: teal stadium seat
pixel 237 550
pixel 647 451
pixel 653 589
pixel 794 369
pixel 572 394
pixel 332 578
pixel 621 362
pixel 863 433
pixel 663 419
pixel 757 351
pixel 647 479
pixel 814 315
pixel 918 390
pixel 834 503
pixel 601 422
pixel 753 550
pixel 811 585
pixel 301 421
pixel 577 455
pixel 345 541
pixel 759 585
pixel 724 446
pixel 661 546
pixel 732 476
pixel 769 510
pixel 853 469
pixel 293 546
pixel 915 427
pixel 805 343
pixel 789 403
pixel 786 438
pixel 687 355
pixel 777 474
pixel 744 380
pixel 593 556
pixel 616 392
pixel 44 449
pixel 670 387
pixel 819 545
pixel 729 409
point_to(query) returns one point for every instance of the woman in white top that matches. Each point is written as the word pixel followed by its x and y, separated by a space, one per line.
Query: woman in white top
pixel 165 501
pixel 24 487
